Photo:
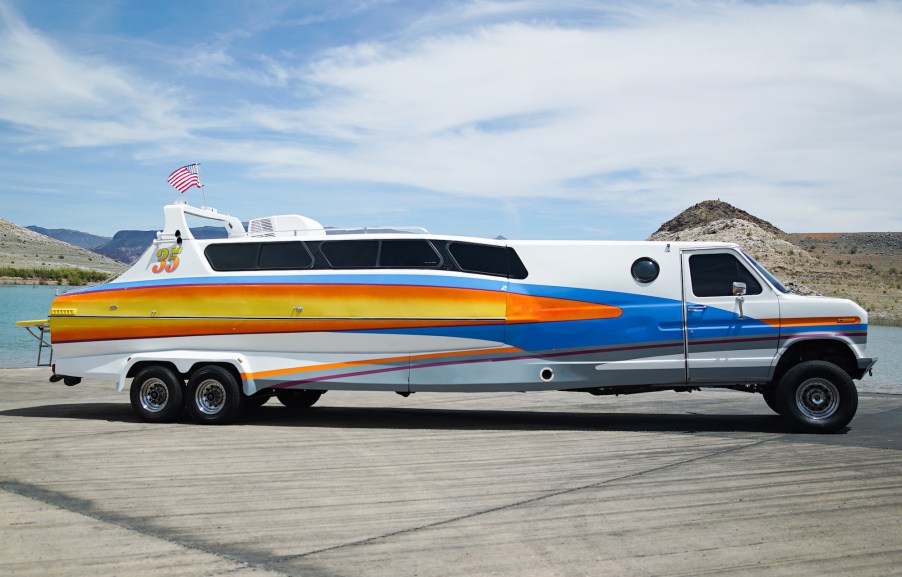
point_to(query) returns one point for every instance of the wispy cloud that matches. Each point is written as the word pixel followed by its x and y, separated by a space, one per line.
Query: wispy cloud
pixel 774 93
pixel 639 108
pixel 57 98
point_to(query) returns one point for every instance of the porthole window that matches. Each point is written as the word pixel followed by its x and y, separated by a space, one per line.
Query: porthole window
pixel 645 269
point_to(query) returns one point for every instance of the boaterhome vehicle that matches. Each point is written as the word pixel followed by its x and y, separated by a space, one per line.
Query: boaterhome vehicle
pixel 290 309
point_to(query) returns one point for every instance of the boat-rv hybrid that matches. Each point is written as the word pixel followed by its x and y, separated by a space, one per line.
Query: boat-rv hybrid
pixel 290 309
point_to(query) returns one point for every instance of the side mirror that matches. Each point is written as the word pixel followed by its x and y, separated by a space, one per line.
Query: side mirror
pixel 739 292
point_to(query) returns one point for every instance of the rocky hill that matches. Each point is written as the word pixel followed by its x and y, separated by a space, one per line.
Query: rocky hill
pixel 862 266
pixel 21 248
pixel 709 211
pixel 73 237
pixel 127 245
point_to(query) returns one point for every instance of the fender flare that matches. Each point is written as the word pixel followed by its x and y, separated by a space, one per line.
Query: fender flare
pixel 184 360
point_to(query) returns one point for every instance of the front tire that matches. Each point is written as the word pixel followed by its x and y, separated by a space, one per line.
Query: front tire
pixel 770 397
pixel 817 397
pixel 156 394
pixel 213 396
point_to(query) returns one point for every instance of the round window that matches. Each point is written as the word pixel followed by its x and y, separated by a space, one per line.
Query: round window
pixel 645 269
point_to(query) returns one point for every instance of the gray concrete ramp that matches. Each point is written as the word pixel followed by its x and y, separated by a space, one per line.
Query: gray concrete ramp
pixel 496 484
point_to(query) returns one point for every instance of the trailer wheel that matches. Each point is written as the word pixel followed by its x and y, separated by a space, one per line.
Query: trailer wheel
pixel 298 398
pixel 817 397
pixel 213 396
pixel 156 394
pixel 770 397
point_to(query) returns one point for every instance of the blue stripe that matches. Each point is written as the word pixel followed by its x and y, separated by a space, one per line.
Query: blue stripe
pixel 313 279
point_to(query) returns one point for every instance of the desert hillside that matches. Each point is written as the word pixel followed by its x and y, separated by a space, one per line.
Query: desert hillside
pixel 21 248
pixel 862 266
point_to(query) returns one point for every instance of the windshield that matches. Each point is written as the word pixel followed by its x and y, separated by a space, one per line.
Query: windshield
pixel 773 280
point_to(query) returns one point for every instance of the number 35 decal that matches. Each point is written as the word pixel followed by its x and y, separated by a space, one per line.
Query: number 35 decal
pixel 167 260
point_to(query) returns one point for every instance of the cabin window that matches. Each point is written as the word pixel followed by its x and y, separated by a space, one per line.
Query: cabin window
pixel 351 253
pixel 408 254
pixel 284 255
pixel 487 259
pixel 232 256
pixel 713 275
pixel 645 269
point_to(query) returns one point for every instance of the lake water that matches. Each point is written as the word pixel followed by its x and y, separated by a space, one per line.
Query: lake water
pixel 22 302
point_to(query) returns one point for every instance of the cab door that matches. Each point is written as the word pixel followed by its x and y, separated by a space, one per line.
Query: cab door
pixel 730 337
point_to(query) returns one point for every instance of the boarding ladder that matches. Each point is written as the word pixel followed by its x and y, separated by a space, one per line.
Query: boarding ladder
pixel 40 330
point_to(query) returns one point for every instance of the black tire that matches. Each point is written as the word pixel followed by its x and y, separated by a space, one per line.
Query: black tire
pixel 298 398
pixel 817 397
pixel 255 401
pixel 157 394
pixel 770 397
pixel 213 396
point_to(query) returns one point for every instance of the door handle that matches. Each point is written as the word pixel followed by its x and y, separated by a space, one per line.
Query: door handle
pixel 696 308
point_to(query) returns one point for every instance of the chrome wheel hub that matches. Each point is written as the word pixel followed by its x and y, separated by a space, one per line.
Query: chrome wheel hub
pixel 817 398
pixel 210 397
pixel 154 395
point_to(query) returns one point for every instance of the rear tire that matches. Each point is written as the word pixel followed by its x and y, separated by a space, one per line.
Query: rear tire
pixel 298 398
pixel 156 394
pixel 817 397
pixel 255 401
pixel 213 396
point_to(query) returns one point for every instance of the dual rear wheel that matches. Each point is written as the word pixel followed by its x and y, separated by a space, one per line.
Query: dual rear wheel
pixel 212 396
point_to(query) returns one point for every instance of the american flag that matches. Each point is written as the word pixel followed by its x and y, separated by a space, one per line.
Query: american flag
pixel 184 178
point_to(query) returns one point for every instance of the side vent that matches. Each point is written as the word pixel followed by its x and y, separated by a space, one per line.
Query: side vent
pixel 284 225
pixel 260 227
pixel 63 312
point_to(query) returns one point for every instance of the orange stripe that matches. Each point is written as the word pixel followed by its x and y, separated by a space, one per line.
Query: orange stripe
pixel 534 309
pixel 86 329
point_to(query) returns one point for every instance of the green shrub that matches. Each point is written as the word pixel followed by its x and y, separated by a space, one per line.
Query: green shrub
pixel 72 276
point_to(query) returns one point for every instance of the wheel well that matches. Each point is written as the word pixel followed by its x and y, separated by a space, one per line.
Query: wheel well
pixel 819 350
pixel 133 370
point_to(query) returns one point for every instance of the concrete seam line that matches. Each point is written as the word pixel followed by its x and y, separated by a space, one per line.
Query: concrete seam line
pixel 85 509
pixel 523 502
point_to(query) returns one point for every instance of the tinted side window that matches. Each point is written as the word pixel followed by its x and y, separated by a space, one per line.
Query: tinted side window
pixel 516 267
pixel 351 253
pixel 232 256
pixel 284 255
pixel 487 259
pixel 480 258
pixel 408 254
pixel 713 275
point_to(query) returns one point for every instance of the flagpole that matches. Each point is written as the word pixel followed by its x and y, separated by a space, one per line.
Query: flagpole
pixel 203 191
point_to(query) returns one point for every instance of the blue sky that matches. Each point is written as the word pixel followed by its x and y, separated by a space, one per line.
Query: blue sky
pixel 531 119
